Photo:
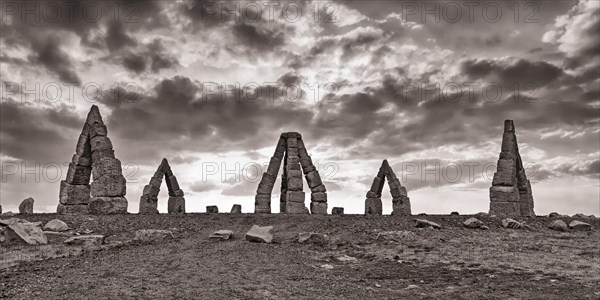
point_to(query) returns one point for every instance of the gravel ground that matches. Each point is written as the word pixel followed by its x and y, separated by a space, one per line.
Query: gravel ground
pixel 389 259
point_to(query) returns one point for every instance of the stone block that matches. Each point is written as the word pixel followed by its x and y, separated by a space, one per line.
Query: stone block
pixel 509 142
pixel 108 205
pixel 106 166
pixel 301 143
pixel 337 211
pixel 318 197
pixel 274 166
pixel 294 196
pixel 401 206
pixel 155 181
pixel 26 206
pixel 236 209
pixel 148 205
pixel 506 173
pixel 78 174
pixel 262 200
pixel 305 160
pixel 84 147
pixel 371 194
pixel 97 129
pixel 318 208
pixel 308 169
pixel 295 208
pixel 526 205
pixel 398 192
pixel 377 185
pixel 100 142
pixel 109 186
pixel 212 209
pixel 151 191
pixel 295 184
pixel 509 126
pixel 176 193
pixel 292 143
pixel 292 152
pixel 176 205
pixel 266 184
pixel 97 155
pixel 373 206
pixel 71 194
pixel 294 174
pixel 505 209
pixel 313 179
pixel 262 209
pixel 84 161
pixel 63 209
pixel 319 189
pixel 94 116
pixel 507 155
pixel 504 194
pixel 172 184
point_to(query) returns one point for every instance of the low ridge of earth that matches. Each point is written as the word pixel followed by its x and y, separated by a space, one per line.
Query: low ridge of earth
pixel 378 257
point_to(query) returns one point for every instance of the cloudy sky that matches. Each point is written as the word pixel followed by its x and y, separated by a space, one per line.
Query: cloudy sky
pixel 210 86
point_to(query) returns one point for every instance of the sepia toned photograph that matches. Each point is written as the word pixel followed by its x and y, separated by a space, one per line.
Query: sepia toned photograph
pixel 300 149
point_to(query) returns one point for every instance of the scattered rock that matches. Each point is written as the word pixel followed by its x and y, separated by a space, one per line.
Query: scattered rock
pixel 553 215
pixel 260 234
pixel 472 223
pixel 482 214
pixel 327 267
pixel 337 211
pixel 580 215
pixel 411 286
pixel 236 209
pixel 26 207
pixel 152 235
pixel 9 214
pixel 313 238
pixel 56 225
pixel 346 258
pixel 85 240
pixel 580 226
pixel 11 221
pixel 29 233
pixel 510 223
pixel 454 213
pixel 212 209
pixel 484 227
pixel 421 223
pixel 558 225
pixel 221 235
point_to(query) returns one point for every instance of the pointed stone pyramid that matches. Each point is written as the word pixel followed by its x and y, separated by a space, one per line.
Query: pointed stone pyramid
pixel 149 199
pixel 400 200
pixel 510 194
pixel 94 157
pixel 296 161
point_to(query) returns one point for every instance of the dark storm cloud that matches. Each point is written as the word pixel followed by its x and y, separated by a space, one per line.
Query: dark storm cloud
pixel 117 37
pixel 38 134
pixel 50 55
pixel 178 116
pixel 522 70
pixel 134 62
pixel 153 55
pixel 258 38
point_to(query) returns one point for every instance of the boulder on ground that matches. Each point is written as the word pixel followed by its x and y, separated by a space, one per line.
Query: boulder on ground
pixel 510 223
pixel 26 206
pixel 212 209
pixel 558 225
pixel 25 232
pixel 221 235
pixel 152 235
pixel 236 209
pixel 421 223
pixel 11 221
pixel 260 234
pixel 454 213
pixel 580 226
pixel 553 215
pixel 482 214
pixel 56 225
pixel 472 223
pixel 312 238
pixel 86 240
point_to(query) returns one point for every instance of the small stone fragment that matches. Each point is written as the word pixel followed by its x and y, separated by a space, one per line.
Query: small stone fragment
pixel 152 235
pixel 221 235
pixel 337 211
pixel 93 240
pixel 313 238
pixel 472 223
pixel 422 223
pixel 580 226
pixel 558 225
pixel 56 225
pixel 236 209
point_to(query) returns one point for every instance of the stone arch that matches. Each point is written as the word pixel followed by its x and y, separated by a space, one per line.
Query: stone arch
pixel 400 200
pixel 296 161
pixel 94 159
pixel 149 199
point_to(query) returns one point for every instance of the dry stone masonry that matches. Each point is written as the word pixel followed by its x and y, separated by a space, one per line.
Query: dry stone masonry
pixel 400 200
pixel 291 151
pixel 94 158
pixel 149 199
pixel 510 194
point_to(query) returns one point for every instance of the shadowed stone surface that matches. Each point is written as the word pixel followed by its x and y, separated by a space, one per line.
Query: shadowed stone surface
pixel 26 206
